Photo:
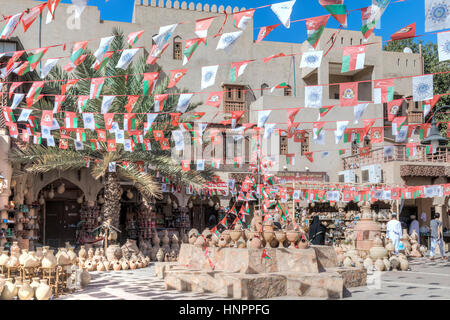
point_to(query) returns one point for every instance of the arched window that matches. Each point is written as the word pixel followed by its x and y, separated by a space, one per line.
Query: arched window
pixel 177 48
pixel 305 143
pixel 288 91
pixel 264 87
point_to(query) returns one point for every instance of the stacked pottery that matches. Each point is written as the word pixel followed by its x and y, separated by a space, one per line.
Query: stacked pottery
pixel 368 263
pixel 9 290
pixel 379 264
pixel 62 258
pixel 39 253
pixel 35 284
pixel 113 252
pixel 13 262
pixel 72 255
pixel 43 292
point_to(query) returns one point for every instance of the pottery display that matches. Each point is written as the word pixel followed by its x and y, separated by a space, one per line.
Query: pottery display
pixel 292 236
pixel 113 252
pixel 43 292
pixel 395 263
pixel 379 264
pixel 281 237
pixel 255 243
pixel 31 261
pixel 49 260
pixel 4 258
pixel 23 256
pixel 82 253
pixel 404 264
pixel 378 251
pixel 26 292
pixel 387 264
pixel 235 235
pixel 15 250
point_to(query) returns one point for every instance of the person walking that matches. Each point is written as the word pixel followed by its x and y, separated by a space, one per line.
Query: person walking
pixel 394 231
pixel 437 237
pixel 317 232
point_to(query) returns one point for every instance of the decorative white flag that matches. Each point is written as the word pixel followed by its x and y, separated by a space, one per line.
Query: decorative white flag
pixel 423 87
pixel 18 97
pixel 10 26
pixel 106 103
pixel 49 64
pixel 262 117
pixel 268 130
pixel 78 145
pixel 444 46
pixel 313 97
pixel 50 141
pixel 126 57
pixel 164 35
pixel 88 119
pixel 55 125
pixel 200 164
pixel 283 11
pixel 402 134
pixel 24 115
pixel 340 128
pixel 120 136
pixel 150 118
pixel 127 145
pixel 228 39
pixel 183 102
pixel 437 15
pixel 358 112
pixel 178 138
pixel 112 167
pixel 45 131
pixel 311 59
pixel 103 47
pixel 209 76
pixel 80 5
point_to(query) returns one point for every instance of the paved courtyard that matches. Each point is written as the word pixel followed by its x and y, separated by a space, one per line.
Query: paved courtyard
pixel 426 280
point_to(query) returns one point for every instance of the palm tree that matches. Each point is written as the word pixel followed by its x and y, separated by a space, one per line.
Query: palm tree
pixel 40 158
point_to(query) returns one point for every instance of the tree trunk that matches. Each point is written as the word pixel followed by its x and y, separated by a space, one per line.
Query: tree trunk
pixel 111 208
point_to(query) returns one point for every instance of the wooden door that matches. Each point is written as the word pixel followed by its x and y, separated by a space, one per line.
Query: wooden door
pixel 61 222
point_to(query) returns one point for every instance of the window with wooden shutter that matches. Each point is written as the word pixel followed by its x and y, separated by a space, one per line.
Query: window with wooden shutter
pixel 288 91
pixel 177 48
pixel 234 98
pixel 305 142
pixel 283 145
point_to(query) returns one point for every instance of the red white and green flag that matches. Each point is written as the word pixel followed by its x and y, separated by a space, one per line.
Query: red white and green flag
pixel 99 65
pixel 264 255
pixel 134 37
pixel 10 26
pixel 264 32
pixel 71 120
pixel 337 9
pixel 369 17
pixel 404 33
pixel 95 144
pixel 202 26
pixel 309 156
pixel 274 56
pixel 47 118
pixel 111 145
pixel 175 76
pixel 368 123
pixel 237 69
pixel 383 91
pixel 215 163
pixel 80 134
pixel 429 104
pixel 279 86
pixel 11 62
pixel 8 115
pixel 242 18
pixel 149 82
pixel 190 47
pixel 82 102
pixel 129 121
pixel 37 138
pixel 29 17
pixel 52 4
pixel 96 87
pixel 132 100
pixel 35 90
pixel 290 159
pixel 66 87
pixel 23 68
pixel 342 151
pixel 77 56
pixel 315 27
pixel 397 124
pixel 353 58
pixel 323 111
pixel 159 101
pixel 36 57
pixel 411 150
pixel 424 130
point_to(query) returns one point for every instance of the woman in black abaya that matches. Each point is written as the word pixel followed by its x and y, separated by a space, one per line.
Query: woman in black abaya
pixel 317 232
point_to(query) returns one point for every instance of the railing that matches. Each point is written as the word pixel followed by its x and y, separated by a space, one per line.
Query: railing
pixel 230 106
pixel 415 117
pixel 378 156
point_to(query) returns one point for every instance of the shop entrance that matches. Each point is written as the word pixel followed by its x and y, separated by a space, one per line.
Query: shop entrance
pixel 62 213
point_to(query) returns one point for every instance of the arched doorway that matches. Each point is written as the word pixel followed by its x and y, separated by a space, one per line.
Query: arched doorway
pixel 61 212
pixel 203 211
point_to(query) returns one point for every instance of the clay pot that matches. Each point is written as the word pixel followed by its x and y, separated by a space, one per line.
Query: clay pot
pixel 404 264
pixel 31 261
pixel 348 262
pixel 390 247
pixel 368 263
pixel 23 256
pixel 226 235
pixel 100 266
pixel 125 265
pixel 49 260
pixel 13 262
pixel 292 236
pixel 133 265
pixel 72 255
pixel 255 243
pixel 117 265
pixel 379 265
pixel 280 236
pixel 235 235
pixel 2 282
pixel 113 252
pixel 35 284
pixel 241 244
pixel 200 242
pixel 15 249
pixel 43 292
pixel 395 263
pixel 4 258
pixel 140 264
pixel 18 283
pixel 91 253
pixel 387 264
pixel 107 265
pixel 160 255
pixel 9 290
pixel 268 237
pixel 82 254
pixel 26 292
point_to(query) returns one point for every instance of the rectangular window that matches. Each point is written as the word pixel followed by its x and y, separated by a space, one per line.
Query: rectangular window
pixel 234 100
pixel 305 143
pixel 177 50
pixel 283 145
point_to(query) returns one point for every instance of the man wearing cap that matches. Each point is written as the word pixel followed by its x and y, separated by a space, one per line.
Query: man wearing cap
pixel 394 231
pixel 414 226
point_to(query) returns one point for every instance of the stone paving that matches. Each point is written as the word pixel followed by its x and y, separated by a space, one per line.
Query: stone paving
pixel 425 281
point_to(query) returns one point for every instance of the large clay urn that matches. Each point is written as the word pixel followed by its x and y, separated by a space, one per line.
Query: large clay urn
pixel 82 254
pixel 23 256
pixel 379 265
pixel 72 255
pixel 31 261
pixel 35 284
pixel 26 292
pixel 390 247
pixel 366 229
pixel 292 237
pixel 378 251
pixel 13 262
pixel 49 260
pixel 113 252
pixel 256 223
pixel 62 258
pixel 160 255
pixel 235 235
pixel 226 235
pixel 125 265
pixel 43 292
pixel 9 290
pixel 4 258
pixel 280 236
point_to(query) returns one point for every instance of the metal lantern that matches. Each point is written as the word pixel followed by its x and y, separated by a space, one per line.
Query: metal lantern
pixel 42 200
pixel 61 189
pixel 51 193
pixel 130 194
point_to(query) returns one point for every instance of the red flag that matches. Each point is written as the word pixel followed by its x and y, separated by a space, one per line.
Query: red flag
pixel 405 33
pixel 394 107
pixel 111 145
pixel 214 99
pixel 235 116
pixel 158 134
pixel 175 76
pixel 165 144
pixel 348 94
pixel 368 123
pixel 155 54
pixel 174 118
pixel 16 55
pixel 202 26
pixel 291 113
pixel 70 83
pixel 31 16
pixel 376 135
pixel 101 135
pixel 281 54
pixel 109 118
pixel 186 165
pixel 264 31
pixel 309 156
pixel 13 87
pixel 131 102
pixel 47 118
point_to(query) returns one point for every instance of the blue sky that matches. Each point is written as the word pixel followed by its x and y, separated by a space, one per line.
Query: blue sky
pixel 395 17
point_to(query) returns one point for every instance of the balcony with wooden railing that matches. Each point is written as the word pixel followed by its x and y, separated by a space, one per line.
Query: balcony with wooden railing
pixel 378 156
pixel 415 117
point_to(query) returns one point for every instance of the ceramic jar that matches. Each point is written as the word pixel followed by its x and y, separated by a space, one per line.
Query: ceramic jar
pixel 62 258
pixel 160 255
pixel 117 265
pixel 100 266
pixel 9 290
pixel 49 260
pixel 35 284
pixel 133 265
pixel 387 264
pixel 379 265
pixel 85 278
pixel 43 292
pixel 378 251
pixel 125 265
pixel 107 265
pixel 404 264
pixel 26 292
pixel 113 252
pixel 348 262
pixel 31 261
pixel 255 243
pixel 368 263
pixel 4 258
pixel 395 263
pixel 39 253
pixel 72 255
pixel 13 262
pixel 23 256
pixel 82 253
pixel 292 236
pixel 15 250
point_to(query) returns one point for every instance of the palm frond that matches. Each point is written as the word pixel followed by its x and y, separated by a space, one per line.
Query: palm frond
pixel 143 181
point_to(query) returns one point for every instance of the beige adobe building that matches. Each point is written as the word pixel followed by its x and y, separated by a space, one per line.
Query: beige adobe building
pixel 248 96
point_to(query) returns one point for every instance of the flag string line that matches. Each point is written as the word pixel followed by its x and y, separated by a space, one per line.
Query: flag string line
pixel 182 22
